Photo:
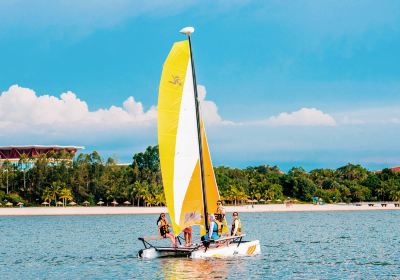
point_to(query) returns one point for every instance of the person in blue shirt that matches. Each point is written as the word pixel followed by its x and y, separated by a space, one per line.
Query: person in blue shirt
pixel 214 232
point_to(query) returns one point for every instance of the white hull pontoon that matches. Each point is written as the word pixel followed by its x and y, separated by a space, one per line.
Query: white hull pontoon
pixel 222 248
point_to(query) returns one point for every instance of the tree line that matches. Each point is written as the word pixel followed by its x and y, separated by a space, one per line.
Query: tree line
pixel 57 177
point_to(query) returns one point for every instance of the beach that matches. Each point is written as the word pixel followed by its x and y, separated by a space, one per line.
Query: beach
pixel 131 210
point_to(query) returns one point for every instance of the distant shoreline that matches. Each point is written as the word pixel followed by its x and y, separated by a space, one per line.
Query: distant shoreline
pixel 104 210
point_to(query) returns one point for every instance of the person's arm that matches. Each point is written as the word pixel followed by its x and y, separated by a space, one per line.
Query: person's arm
pixel 159 228
pixel 210 231
pixel 236 227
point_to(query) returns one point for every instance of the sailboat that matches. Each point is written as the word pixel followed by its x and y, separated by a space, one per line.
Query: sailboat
pixel 190 188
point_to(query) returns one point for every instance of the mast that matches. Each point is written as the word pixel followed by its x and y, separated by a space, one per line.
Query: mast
pixel 188 31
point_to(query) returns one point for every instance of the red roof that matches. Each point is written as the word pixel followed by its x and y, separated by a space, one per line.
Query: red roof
pixel 15 152
pixel 395 169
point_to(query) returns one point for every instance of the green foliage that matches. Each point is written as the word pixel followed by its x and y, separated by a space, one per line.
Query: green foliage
pixel 146 166
pixel 395 193
pixel 274 192
pixel 89 177
pixel 13 198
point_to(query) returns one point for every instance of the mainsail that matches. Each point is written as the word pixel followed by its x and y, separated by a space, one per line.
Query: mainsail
pixel 179 146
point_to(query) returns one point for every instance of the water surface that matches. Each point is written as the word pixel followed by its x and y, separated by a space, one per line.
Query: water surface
pixel 313 245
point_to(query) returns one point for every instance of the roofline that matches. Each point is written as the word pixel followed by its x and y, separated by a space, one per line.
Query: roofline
pixel 42 147
pixel 390 168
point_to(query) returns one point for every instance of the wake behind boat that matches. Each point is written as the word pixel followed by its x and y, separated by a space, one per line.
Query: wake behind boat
pixel 190 188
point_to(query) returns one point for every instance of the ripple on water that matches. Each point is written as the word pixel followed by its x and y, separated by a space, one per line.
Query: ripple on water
pixel 294 245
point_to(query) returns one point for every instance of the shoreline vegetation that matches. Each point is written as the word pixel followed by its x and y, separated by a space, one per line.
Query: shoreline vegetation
pixel 56 179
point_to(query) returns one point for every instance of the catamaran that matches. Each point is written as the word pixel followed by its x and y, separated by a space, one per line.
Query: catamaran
pixel 190 188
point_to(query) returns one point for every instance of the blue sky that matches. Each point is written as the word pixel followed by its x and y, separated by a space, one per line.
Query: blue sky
pixel 310 83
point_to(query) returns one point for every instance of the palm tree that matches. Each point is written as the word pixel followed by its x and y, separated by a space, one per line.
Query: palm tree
pixel 47 195
pixel 274 192
pixel 55 189
pixel 258 196
pixel 242 196
pixel 381 189
pixel 65 194
pixel 149 198
pixel 360 192
pixel 143 192
pixel 159 199
pixel 395 193
pixel 132 192
pixel 232 193
pixel 235 194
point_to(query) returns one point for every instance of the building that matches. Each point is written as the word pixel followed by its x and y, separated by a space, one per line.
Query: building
pixel 395 169
pixel 13 153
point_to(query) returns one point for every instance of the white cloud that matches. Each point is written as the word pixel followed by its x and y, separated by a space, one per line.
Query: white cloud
pixel 23 112
pixel 209 109
pixel 21 108
pixel 29 118
pixel 302 117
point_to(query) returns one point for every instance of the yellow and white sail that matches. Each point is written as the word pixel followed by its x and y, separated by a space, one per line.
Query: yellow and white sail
pixel 178 143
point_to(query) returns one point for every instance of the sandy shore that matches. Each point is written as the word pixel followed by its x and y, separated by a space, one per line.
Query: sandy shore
pixel 59 211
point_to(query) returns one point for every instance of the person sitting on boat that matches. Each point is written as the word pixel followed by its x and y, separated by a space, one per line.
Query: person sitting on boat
pixel 236 225
pixel 220 216
pixel 163 229
pixel 215 230
pixel 188 236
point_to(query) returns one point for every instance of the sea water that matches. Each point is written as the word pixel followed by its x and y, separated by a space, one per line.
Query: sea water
pixel 303 245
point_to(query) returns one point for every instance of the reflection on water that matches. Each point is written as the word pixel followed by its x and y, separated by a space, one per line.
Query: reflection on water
pixel 189 269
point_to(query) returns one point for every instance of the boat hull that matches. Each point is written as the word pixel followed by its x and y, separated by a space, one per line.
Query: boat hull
pixel 153 253
pixel 234 249
pixel 245 248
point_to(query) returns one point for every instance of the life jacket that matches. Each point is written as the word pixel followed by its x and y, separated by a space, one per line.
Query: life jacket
pixel 164 227
pixel 218 215
pixel 239 229
pixel 218 226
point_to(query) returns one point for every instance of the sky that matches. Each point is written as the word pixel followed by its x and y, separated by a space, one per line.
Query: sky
pixel 303 83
